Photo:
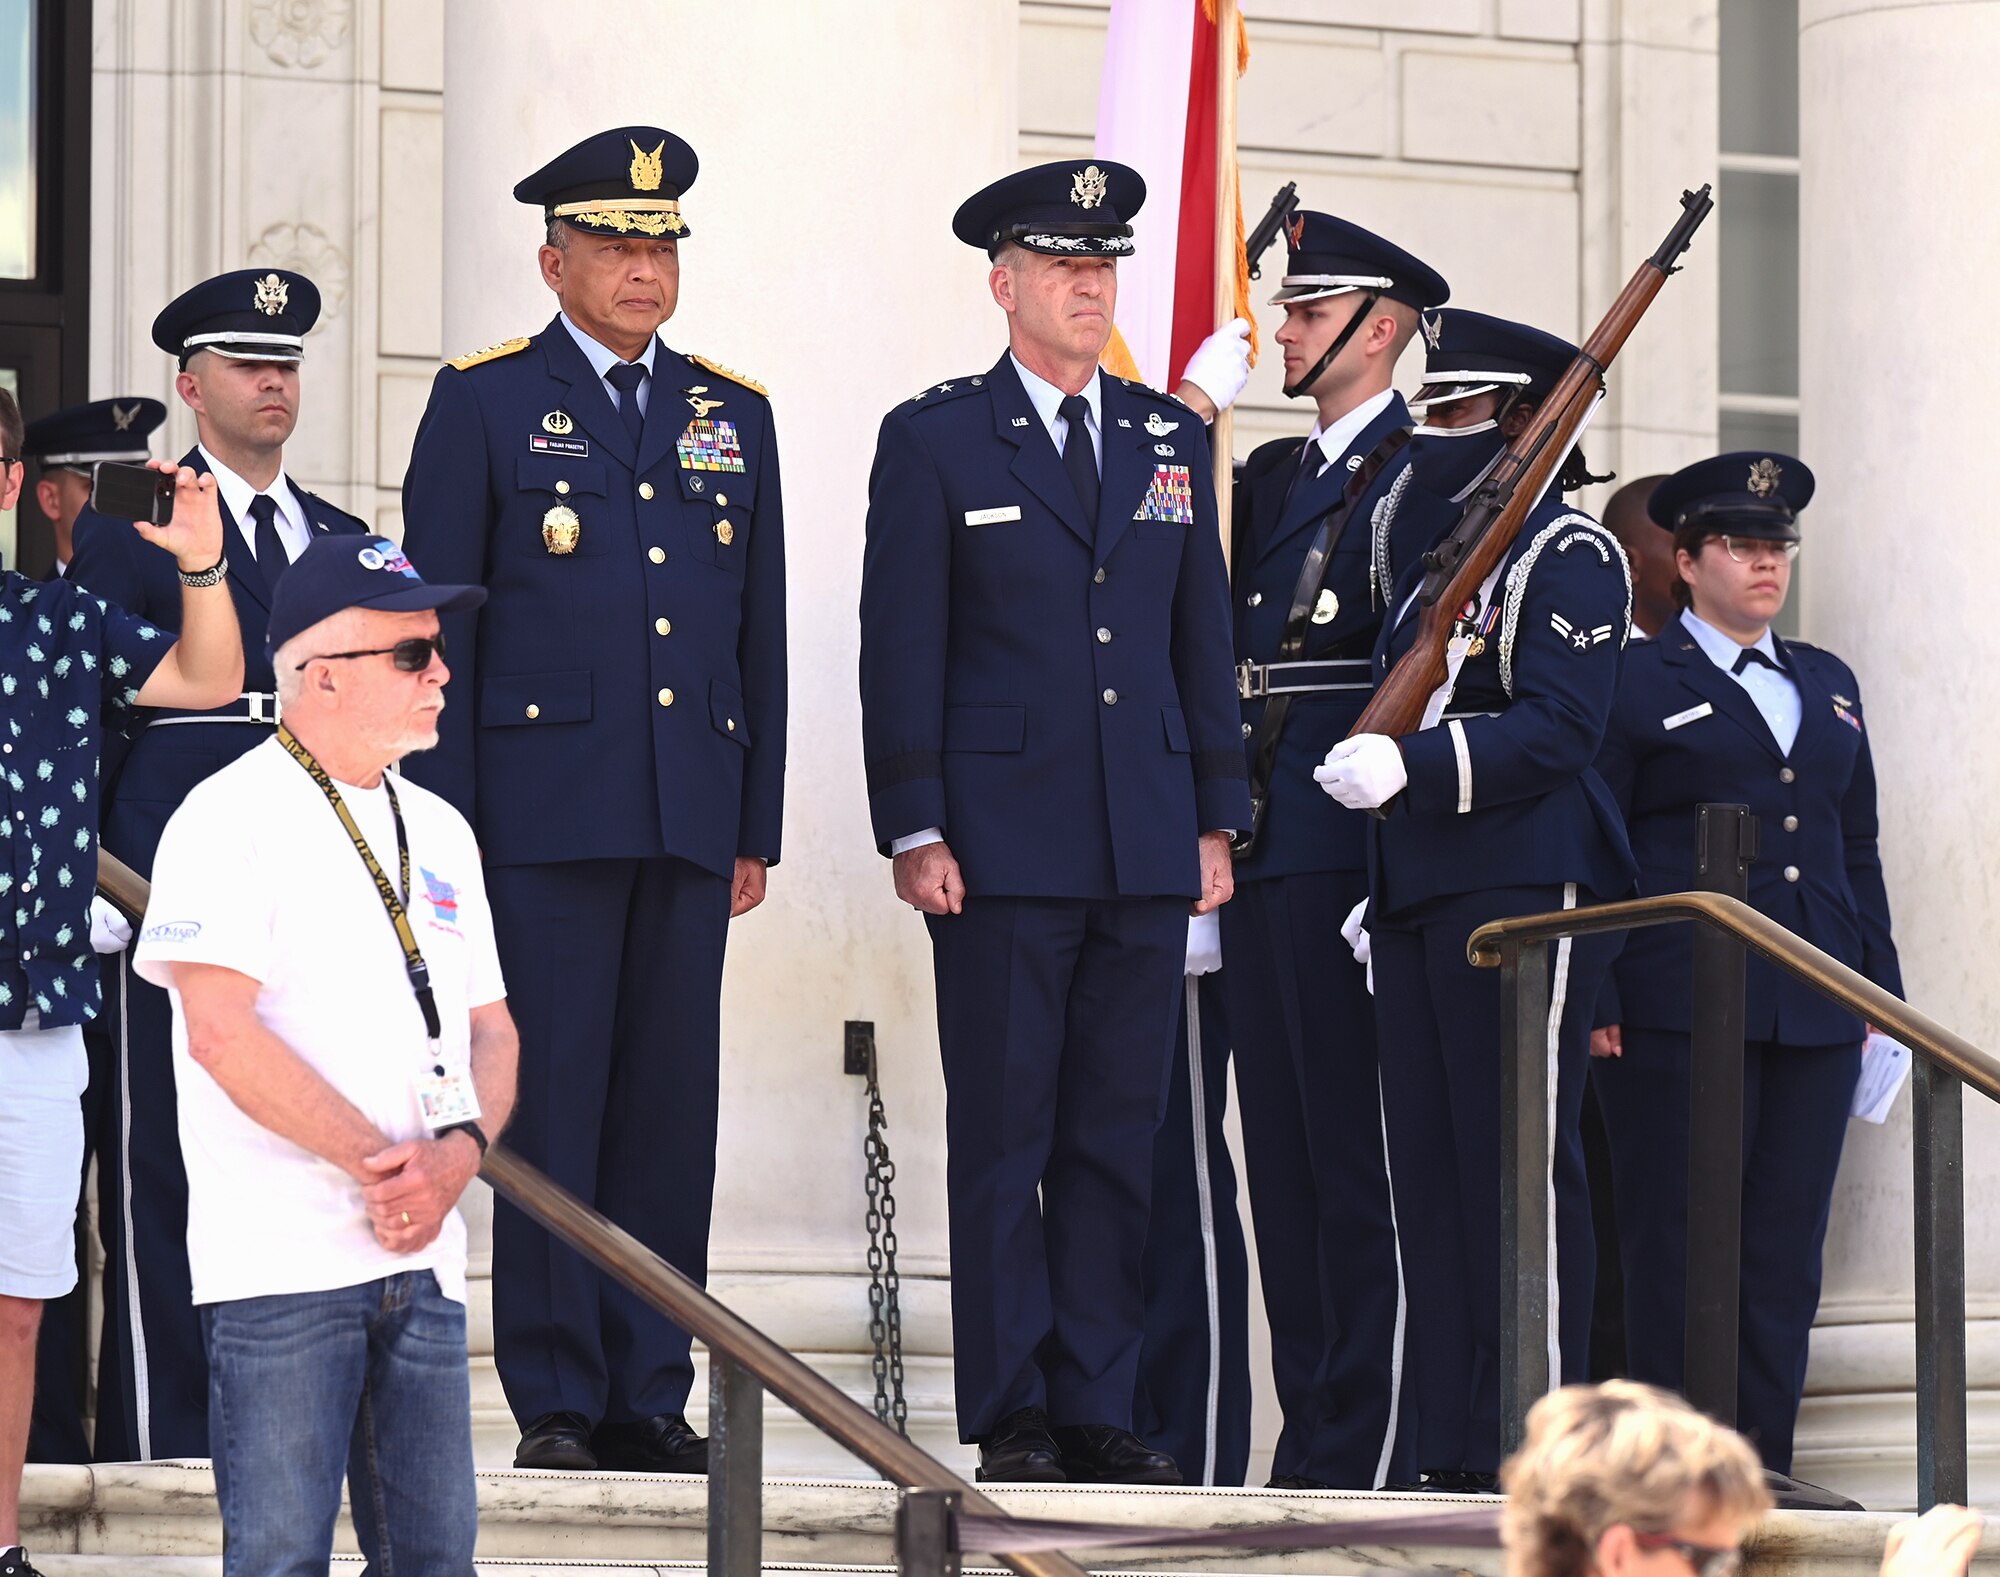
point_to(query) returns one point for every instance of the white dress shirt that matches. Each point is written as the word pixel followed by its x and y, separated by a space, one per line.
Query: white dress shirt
pixel 1046 397
pixel 1335 441
pixel 1771 690
pixel 603 358
pixel 294 530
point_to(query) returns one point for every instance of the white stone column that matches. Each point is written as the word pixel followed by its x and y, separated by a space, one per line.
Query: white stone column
pixel 835 142
pixel 1899 316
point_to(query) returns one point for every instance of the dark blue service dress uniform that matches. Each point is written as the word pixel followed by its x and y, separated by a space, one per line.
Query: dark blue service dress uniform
pixel 615 732
pixel 152 1378
pixel 1053 692
pixel 1504 814
pixel 1683 732
pixel 1304 1030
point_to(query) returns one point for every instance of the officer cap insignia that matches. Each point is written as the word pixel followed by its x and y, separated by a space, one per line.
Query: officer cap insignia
pixel 272 295
pixel 122 416
pixel 694 395
pixel 1764 477
pixel 733 376
pixel 647 168
pixel 1327 609
pixel 1158 426
pixel 491 353
pixel 1433 329
pixel 561 529
pixel 1088 187
pixel 1295 227
pixel 558 422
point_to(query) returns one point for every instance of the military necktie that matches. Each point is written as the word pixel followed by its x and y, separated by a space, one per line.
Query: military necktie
pixel 1750 657
pixel 1079 459
pixel 626 378
pixel 272 559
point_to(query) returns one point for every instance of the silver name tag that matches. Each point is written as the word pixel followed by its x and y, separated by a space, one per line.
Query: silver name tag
pixel 1691 715
pixel 992 517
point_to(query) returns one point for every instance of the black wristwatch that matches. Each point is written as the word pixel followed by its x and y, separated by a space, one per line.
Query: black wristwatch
pixel 478 1133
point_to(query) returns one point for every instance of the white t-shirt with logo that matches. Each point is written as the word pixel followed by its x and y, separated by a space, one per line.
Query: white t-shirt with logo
pixel 255 873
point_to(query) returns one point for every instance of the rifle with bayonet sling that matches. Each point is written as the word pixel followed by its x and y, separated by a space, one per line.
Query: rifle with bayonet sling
pixel 1267 227
pixel 1458 566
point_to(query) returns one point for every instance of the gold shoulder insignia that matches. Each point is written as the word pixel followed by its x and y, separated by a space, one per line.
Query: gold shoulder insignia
pixel 506 347
pixel 733 376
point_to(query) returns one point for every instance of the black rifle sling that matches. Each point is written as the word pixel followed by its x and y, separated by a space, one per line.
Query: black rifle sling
pixel 1298 621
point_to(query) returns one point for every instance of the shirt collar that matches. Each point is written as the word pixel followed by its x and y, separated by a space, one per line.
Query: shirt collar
pixel 1046 397
pixel 602 357
pixel 1723 650
pixel 1335 441
pixel 237 493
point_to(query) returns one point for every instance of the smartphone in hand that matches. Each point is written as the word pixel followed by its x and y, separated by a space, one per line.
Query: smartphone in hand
pixel 132 492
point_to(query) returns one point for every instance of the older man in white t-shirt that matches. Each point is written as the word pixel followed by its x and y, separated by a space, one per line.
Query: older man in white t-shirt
pixel 342 1054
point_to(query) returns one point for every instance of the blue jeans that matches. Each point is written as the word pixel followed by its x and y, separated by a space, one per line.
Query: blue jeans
pixel 370 1379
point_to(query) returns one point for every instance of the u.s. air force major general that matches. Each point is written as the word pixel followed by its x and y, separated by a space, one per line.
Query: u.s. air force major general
pixel 617 737
pixel 1053 759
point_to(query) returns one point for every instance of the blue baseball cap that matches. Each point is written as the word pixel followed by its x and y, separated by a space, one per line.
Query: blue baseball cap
pixel 355 572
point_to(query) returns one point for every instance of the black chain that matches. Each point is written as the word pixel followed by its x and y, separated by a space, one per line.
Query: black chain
pixel 885 1308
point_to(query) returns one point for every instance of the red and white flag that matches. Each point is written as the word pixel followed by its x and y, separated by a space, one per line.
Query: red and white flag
pixel 1156 111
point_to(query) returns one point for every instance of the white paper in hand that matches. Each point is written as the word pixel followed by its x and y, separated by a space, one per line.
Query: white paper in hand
pixel 1885 1064
pixel 1204 943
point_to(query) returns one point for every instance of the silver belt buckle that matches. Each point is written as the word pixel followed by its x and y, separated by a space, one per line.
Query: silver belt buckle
pixel 258 700
pixel 1252 681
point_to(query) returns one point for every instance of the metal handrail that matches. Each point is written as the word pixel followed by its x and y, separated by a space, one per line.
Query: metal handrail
pixel 1822 971
pixel 737 1349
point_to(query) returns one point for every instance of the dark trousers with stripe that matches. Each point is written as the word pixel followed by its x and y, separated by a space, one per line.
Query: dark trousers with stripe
pixel 1795 1114
pixel 1439 1023
pixel 614 977
pixel 1307 1077
pixel 1194 1369
pixel 1056 1024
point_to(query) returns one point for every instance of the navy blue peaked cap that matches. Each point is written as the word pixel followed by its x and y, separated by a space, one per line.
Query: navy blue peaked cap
pixel 1070 208
pixel 626 181
pixel 1473 352
pixel 251 314
pixel 81 435
pixel 1747 494
pixel 1328 257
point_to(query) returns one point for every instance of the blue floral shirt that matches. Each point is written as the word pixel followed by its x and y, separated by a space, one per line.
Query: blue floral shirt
pixel 70 664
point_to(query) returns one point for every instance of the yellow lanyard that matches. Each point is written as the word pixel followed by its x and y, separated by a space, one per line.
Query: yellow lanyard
pixel 413 957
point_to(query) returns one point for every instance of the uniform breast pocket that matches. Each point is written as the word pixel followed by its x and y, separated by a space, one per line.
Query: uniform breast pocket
pixel 534 700
pixel 1170 532
pixel 718 533
pixel 562 505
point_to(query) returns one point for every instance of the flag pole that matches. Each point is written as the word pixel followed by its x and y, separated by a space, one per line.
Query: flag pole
pixel 1221 434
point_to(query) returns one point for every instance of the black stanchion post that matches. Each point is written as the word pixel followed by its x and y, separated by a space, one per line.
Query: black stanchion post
pixel 735 1470
pixel 926 1545
pixel 1937 1117
pixel 1725 846
pixel 1524 1185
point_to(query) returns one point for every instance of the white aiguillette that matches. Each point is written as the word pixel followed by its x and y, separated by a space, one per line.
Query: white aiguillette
pixel 992 517
pixel 1691 715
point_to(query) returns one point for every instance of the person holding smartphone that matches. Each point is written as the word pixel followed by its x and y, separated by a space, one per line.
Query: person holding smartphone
pixel 1718 708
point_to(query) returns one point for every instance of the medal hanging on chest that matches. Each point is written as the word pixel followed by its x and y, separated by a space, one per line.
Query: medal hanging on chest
pixel 561 529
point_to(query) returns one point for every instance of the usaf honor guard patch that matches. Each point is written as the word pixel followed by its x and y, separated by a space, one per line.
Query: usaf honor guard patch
pixel 1171 497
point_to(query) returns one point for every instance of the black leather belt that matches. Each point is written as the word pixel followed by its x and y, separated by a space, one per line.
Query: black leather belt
pixel 1257 680
pixel 252 706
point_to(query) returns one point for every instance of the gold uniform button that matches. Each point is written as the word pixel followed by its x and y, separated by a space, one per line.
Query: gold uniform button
pixel 725 533
pixel 721 500
pixel 562 487
pixel 662 627
pixel 534 710
pixel 666 698
pixel 657 555
pixel 645 489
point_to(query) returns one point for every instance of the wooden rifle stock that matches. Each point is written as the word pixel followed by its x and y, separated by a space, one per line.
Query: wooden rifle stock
pixel 1460 563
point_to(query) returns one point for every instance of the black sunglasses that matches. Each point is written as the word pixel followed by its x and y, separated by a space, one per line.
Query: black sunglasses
pixel 411 657
pixel 1704 1558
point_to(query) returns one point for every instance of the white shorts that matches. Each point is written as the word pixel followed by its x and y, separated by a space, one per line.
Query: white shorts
pixel 43 1072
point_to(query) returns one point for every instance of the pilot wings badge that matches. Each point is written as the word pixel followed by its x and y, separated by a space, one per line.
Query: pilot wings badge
pixel 1158 426
pixel 701 407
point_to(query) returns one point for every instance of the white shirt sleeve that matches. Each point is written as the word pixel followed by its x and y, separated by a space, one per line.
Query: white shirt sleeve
pixel 210 903
pixel 916 840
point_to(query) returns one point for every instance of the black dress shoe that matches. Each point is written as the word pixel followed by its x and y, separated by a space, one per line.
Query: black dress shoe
pixel 1106 1454
pixel 1020 1451
pixel 557 1440
pixel 1458 1481
pixel 1296 1481
pixel 661 1444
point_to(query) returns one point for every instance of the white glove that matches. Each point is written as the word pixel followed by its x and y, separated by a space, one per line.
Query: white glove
pixel 1355 935
pixel 1204 943
pixel 110 931
pixel 1363 772
pixel 1220 365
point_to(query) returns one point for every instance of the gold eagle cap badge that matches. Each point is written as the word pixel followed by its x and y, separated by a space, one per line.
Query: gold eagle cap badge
pixel 1764 477
pixel 561 530
pixel 272 296
pixel 646 169
pixel 1088 187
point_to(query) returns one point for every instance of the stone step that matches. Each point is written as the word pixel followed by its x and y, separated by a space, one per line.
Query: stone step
pixel 159 1520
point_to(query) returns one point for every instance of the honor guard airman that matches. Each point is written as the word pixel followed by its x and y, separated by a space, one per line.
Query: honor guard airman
pixel 617 737
pixel 239 340
pixel 67 445
pixel 1053 761
pixel 1717 708
pixel 1493 810
pixel 1322 525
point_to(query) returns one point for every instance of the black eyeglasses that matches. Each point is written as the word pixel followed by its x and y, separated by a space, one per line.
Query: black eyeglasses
pixel 411 657
pixel 1704 1558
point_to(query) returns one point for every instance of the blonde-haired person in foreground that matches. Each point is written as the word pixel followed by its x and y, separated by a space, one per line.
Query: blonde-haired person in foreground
pixel 1625 1480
